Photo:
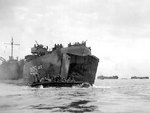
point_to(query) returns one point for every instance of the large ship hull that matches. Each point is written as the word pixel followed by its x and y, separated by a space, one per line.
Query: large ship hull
pixel 11 70
pixel 73 68
pixel 44 66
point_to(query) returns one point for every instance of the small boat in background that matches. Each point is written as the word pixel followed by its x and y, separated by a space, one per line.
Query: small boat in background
pixel 107 77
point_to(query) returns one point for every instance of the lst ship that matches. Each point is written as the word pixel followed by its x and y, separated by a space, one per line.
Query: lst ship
pixel 62 66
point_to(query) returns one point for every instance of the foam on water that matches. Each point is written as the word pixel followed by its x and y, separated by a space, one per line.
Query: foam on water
pixel 101 87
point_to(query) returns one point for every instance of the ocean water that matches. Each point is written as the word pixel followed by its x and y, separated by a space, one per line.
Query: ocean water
pixel 106 96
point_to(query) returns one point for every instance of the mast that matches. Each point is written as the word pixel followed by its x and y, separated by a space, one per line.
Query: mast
pixel 12 44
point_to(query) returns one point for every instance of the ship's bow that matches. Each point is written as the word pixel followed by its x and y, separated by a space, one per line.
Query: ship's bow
pixel 83 68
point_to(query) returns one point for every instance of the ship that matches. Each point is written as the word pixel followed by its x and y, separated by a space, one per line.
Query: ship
pixel 107 77
pixel 136 77
pixel 11 69
pixel 60 66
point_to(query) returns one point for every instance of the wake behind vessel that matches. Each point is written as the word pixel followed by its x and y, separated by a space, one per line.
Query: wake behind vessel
pixel 62 66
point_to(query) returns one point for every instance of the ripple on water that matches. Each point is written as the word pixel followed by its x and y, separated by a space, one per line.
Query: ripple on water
pixel 106 97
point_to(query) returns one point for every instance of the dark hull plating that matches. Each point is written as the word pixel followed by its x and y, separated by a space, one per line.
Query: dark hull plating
pixel 56 84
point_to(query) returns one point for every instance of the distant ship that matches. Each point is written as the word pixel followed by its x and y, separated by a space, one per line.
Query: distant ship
pixel 62 66
pixel 135 77
pixel 107 77
pixel 11 69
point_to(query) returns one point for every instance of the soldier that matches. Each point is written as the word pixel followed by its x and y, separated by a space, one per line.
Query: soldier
pixel 37 78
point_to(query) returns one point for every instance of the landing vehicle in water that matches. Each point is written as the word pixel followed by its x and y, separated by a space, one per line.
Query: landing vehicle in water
pixel 62 66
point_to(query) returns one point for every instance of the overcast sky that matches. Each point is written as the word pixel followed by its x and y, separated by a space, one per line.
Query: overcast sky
pixel 118 31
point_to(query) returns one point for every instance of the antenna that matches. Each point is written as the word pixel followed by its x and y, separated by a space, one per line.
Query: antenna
pixel 12 44
pixel 36 42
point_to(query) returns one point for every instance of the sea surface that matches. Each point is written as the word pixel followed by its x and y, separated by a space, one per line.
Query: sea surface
pixel 106 96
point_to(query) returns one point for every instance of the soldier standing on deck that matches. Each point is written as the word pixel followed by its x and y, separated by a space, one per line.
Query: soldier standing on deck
pixel 36 78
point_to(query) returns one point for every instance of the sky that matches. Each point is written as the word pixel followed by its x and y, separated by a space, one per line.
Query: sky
pixel 118 31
